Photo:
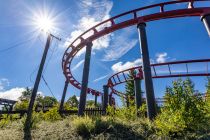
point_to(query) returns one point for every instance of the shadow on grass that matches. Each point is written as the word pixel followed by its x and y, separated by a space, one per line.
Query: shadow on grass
pixel 111 130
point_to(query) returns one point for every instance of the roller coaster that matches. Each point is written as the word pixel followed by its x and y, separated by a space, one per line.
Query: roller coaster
pixel 189 8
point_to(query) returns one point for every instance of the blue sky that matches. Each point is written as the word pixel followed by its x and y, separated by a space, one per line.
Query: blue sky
pixel 168 40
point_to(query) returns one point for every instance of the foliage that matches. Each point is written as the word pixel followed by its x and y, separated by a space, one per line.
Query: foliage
pixel 52 114
pixel 7 119
pixel 72 101
pixel 26 95
pixel 129 88
pixel 37 117
pixel 207 96
pixel 183 116
pixel 125 113
pixel 91 104
pixel 83 126
pixel 182 112
pixel 21 105
pixel 66 106
pixel 47 101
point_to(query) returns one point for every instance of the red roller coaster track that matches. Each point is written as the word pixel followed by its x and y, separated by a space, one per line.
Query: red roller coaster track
pixel 112 25
pixel 169 69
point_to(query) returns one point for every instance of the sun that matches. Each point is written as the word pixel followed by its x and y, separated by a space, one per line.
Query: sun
pixel 44 23
pixel 44 20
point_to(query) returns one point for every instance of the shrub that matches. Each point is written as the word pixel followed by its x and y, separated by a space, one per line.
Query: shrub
pixel 52 115
pixel 21 105
pixel 83 126
pixel 183 111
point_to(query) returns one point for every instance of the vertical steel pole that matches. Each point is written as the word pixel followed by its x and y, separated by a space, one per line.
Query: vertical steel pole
pixel 105 97
pixel 63 96
pixel 85 76
pixel 206 21
pixel 110 99
pixel 138 96
pixel 96 100
pixel 150 97
pixel 36 86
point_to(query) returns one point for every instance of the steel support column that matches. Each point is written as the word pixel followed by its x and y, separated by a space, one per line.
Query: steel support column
pixel 150 97
pixel 138 96
pixel 105 97
pixel 63 96
pixel 85 76
pixel 96 100
pixel 110 99
pixel 206 21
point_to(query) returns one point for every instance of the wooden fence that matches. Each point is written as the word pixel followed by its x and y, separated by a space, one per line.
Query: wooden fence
pixel 88 112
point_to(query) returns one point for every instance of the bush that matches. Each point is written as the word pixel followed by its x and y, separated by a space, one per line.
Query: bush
pixel 21 105
pixel 83 126
pixel 35 120
pixel 52 115
pixel 127 113
pixel 183 112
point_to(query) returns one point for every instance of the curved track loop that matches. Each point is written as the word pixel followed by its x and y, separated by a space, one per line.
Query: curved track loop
pixel 113 24
pixel 162 70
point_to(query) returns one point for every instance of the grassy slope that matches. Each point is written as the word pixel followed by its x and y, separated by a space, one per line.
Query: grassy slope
pixel 72 128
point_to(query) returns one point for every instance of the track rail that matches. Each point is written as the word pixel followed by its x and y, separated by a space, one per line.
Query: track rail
pixel 162 70
pixel 112 24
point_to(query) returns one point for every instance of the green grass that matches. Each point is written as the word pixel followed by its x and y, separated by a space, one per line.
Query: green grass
pixel 74 127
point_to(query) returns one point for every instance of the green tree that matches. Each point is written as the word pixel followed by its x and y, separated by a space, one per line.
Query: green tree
pixel 130 88
pixel 47 101
pixel 207 95
pixel 91 104
pixel 26 95
pixel 72 101
pixel 182 111
pixel 21 105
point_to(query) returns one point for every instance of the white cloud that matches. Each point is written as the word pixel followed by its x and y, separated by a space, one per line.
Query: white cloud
pixel 117 67
pixel 4 83
pixel 121 45
pixel 92 14
pixel 77 98
pixel 161 57
pixel 12 94
pixel 78 65
pixel 100 78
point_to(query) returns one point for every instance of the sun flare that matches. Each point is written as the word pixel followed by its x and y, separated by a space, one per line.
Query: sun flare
pixel 44 23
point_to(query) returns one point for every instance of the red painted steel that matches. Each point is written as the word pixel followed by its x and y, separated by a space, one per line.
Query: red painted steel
pixel 167 74
pixel 111 25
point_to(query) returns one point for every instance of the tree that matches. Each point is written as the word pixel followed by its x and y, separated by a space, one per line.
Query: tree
pixel 183 110
pixel 26 95
pixel 91 104
pixel 48 101
pixel 40 100
pixel 130 88
pixel 207 95
pixel 72 101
